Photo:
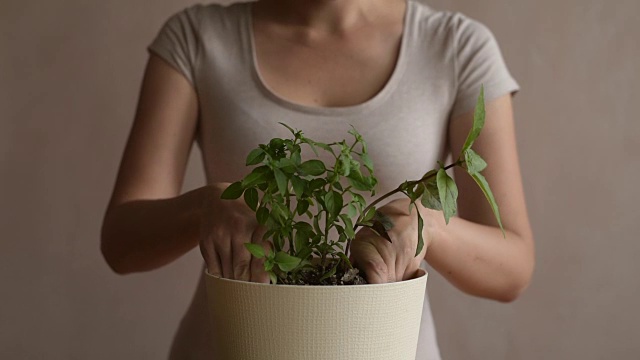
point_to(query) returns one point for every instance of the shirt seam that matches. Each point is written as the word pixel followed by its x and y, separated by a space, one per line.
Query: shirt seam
pixel 456 51
pixel 200 48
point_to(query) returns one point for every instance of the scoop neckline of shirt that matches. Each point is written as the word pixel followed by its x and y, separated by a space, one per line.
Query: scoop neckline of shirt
pixel 371 103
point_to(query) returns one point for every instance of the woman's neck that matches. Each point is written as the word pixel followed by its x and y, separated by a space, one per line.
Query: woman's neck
pixel 326 16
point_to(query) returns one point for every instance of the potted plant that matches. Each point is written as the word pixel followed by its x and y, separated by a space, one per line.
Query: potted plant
pixel 312 211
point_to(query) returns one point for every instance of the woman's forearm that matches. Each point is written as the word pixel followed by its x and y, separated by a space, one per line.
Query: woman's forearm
pixel 143 235
pixel 480 261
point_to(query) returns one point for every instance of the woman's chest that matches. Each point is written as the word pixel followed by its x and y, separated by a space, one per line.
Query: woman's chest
pixel 329 72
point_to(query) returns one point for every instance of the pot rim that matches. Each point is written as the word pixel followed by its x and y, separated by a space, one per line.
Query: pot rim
pixel 420 274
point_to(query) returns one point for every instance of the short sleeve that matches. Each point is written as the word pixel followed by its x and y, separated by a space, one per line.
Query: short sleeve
pixel 178 42
pixel 478 62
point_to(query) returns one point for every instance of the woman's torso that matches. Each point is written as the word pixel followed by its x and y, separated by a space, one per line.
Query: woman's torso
pixel 404 122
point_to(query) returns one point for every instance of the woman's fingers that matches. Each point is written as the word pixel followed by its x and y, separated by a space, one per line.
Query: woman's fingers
pixel 410 271
pixel 224 252
pixel 375 256
pixel 241 258
pixel 211 258
pixel 366 257
pixel 225 229
pixel 388 254
pixel 406 264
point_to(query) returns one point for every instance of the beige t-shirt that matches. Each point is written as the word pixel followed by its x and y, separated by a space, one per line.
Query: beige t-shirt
pixel 444 59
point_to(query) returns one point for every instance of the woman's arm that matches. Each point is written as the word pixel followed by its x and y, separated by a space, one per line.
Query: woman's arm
pixel 471 252
pixel 147 224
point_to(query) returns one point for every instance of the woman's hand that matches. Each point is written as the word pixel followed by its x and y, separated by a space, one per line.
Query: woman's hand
pixel 225 226
pixel 384 261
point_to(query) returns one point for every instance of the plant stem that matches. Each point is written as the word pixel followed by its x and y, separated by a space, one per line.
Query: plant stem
pixel 399 189
pixel 427 176
pixel 290 237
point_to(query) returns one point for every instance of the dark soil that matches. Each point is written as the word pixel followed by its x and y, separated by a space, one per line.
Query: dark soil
pixel 341 277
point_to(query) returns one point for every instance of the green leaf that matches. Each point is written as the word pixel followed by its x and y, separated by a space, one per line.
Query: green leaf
pixel 360 200
pixel 251 198
pixel 304 254
pixel 301 240
pixel 353 131
pixel 255 250
pixel 351 210
pixel 286 231
pixel 279 212
pixel 313 167
pixel 288 127
pixel 296 158
pixel 258 176
pixel 311 145
pixel 233 191
pixel 255 157
pixel 278 241
pixel 268 264
pixel 281 180
pixel 333 202
pixel 372 181
pixel 348 226
pixel 420 227
pixel 316 223
pixel 367 162
pixel 358 181
pixel 330 273
pixel 474 162
pixel 302 207
pixel 359 138
pixel 285 261
pixel 345 259
pixel 344 165
pixel 288 143
pixel 355 164
pixel 262 215
pixel 268 235
pixel 431 195
pixel 325 147
pixel 276 144
pixel 484 186
pixel 298 186
pixel 478 122
pixel 430 175
pixel 316 184
pixel 370 214
pixel 287 165
pixel 338 186
pixel 303 226
pixel 415 192
pixel 448 194
pixel 316 239
pixel 273 277
pixel 383 219
pixel 380 230
pixel 253 179
pixel 404 186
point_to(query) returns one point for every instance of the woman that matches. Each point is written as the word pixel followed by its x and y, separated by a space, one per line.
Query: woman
pixel 404 75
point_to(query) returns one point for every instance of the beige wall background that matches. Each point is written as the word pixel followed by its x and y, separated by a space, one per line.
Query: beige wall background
pixel 70 71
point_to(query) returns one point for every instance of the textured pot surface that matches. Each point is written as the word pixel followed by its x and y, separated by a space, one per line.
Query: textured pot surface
pixel 283 322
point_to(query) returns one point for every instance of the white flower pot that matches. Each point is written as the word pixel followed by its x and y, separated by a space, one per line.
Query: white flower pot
pixel 289 322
